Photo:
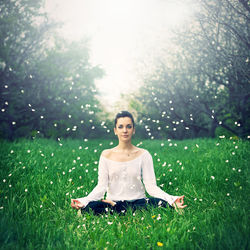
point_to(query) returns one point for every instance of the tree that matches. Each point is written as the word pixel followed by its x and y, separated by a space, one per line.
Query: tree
pixel 209 76
pixel 47 85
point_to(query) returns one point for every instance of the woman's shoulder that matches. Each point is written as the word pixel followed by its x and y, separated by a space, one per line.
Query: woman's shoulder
pixel 106 152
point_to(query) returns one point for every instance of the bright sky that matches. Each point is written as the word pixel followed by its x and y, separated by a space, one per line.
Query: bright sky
pixel 126 36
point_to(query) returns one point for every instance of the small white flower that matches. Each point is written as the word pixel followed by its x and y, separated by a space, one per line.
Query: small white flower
pixel 212 177
pixel 26 190
pixel 228 194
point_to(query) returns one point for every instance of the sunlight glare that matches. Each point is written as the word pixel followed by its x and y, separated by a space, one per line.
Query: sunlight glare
pixel 122 34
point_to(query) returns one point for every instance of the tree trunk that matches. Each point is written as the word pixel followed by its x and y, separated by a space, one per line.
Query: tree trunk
pixel 213 128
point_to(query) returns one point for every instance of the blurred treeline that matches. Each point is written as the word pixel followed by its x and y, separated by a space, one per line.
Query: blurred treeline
pixel 48 84
pixel 204 89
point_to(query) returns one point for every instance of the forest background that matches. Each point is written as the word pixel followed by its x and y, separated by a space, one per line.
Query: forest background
pixel 48 83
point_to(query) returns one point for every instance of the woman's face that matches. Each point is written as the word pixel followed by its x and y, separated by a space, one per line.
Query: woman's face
pixel 124 128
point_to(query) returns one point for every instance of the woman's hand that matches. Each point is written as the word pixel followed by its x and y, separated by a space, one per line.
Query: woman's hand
pixel 76 204
pixel 178 204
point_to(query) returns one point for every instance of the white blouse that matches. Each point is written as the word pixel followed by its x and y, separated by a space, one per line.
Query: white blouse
pixel 123 181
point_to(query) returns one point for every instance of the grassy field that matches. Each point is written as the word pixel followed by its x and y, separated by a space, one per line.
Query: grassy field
pixel 38 179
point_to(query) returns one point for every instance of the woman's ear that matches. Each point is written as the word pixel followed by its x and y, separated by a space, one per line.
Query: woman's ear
pixel 134 131
pixel 115 131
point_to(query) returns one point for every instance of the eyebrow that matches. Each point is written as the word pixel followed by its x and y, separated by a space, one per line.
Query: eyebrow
pixel 125 125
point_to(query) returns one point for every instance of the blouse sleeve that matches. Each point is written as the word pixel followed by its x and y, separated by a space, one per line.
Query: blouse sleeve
pixel 149 181
pixel 101 188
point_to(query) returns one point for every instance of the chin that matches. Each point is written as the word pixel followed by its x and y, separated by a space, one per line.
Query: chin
pixel 125 138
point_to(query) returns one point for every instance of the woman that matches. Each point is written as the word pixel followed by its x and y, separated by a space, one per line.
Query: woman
pixel 121 172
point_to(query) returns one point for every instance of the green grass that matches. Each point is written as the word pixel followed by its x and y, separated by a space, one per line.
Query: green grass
pixel 39 177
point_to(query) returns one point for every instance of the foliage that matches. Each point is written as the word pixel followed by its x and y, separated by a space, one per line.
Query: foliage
pixel 39 177
pixel 206 85
pixel 47 84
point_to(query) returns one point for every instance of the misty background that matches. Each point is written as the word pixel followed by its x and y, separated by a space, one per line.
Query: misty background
pixel 181 67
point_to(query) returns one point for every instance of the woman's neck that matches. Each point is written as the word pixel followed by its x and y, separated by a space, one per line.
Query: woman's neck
pixel 125 146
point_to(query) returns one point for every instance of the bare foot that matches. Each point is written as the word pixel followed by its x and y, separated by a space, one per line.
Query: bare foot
pixel 112 203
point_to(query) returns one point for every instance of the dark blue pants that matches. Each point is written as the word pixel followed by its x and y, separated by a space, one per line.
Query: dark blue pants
pixel 100 207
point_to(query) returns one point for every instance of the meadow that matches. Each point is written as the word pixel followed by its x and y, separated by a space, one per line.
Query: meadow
pixel 39 177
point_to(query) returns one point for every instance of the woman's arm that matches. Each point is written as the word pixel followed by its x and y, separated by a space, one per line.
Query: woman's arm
pixel 100 189
pixel 152 189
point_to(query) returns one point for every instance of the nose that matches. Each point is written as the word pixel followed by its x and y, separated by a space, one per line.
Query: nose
pixel 124 129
